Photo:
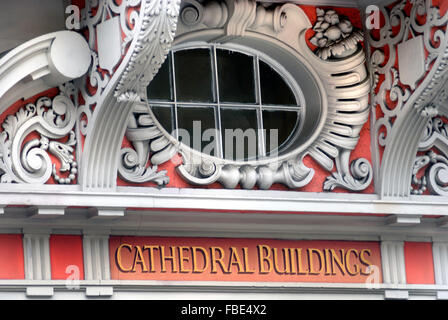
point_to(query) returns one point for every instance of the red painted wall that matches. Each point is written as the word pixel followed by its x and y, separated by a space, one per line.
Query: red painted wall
pixel 132 259
pixel 11 257
pixel 65 251
pixel 419 263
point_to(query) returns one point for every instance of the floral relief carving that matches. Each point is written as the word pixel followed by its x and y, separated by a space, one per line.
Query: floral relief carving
pixel 335 36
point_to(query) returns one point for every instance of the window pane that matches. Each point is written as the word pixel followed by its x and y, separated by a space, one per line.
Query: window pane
pixel 160 86
pixel 278 125
pixel 235 77
pixel 274 89
pixel 164 116
pixel 193 75
pixel 240 133
pixel 197 128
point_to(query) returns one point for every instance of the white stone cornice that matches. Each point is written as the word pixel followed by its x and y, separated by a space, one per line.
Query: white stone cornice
pixel 221 290
pixel 209 199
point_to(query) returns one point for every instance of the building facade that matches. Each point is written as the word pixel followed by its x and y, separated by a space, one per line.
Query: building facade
pixel 235 149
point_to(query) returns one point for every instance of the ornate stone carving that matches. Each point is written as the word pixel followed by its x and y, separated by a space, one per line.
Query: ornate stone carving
pixel 343 85
pixel 29 162
pixel 152 43
pixel 358 178
pixel 149 27
pixel 141 130
pixel 234 16
pixel 430 169
pixel 335 36
pixel 402 112
pixel 94 83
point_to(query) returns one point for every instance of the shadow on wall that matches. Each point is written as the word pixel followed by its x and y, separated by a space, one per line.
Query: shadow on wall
pixel 23 20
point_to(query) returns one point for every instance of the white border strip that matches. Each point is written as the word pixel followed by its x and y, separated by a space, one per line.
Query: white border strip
pixel 221 199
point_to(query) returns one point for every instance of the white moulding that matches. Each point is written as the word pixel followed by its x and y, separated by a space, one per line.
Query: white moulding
pixel 42 63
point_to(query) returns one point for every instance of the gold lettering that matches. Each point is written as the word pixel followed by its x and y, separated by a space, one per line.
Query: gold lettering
pixel 364 261
pixel 172 258
pixel 347 262
pixel 327 262
pixel 320 256
pixel 216 260
pixel 246 261
pixel 151 257
pixel 262 258
pixel 183 259
pixel 139 259
pixel 118 257
pixel 339 263
pixel 287 260
pixel 195 259
pixel 235 259
pixel 292 259
pixel 299 262
pixel 276 268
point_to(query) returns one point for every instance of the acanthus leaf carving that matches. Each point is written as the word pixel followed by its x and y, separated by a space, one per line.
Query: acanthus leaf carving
pixel 152 45
pixel 147 31
pixel 357 179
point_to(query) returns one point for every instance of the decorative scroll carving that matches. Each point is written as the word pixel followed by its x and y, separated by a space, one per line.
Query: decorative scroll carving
pixel 390 86
pixel 153 42
pixel 132 167
pixel 29 162
pixel 358 178
pixel 336 38
pixel 435 177
pixel 92 85
pixel 418 37
pixel 149 27
pixel 430 170
pixel 345 108
pixel 235 16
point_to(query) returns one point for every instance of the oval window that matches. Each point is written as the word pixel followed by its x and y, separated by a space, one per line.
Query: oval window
pixel 226 103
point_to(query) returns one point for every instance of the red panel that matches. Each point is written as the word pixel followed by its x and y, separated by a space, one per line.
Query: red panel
pixel 11 257
pixel 66 257
pixel 419 262
pixel 221 259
